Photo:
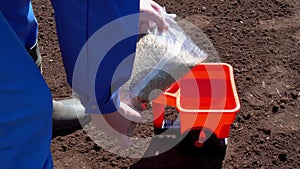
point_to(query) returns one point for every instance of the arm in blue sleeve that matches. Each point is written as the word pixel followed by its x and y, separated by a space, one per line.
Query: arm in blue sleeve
pixel 20 16
pixel 97 48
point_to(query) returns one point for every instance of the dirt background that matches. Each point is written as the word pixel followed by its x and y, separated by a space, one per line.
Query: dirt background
pixel 260 39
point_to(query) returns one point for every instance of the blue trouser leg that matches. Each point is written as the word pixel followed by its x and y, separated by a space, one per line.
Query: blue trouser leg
pixel 25 107
pixel 76 22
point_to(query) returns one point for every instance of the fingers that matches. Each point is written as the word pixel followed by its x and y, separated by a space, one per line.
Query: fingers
pixel 156 18
pixel 129 113
pixel 120 124
pixel 151 11
pixel 113 124
pixel 159 20
pixel 124 141
pixel 156 6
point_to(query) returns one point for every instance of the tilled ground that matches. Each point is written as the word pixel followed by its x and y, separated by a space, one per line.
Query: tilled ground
pixel 260 39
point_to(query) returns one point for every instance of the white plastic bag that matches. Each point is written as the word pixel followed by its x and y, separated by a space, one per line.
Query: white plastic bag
pixel 161 59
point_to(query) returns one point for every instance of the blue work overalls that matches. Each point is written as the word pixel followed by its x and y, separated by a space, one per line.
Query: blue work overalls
pixel 26 101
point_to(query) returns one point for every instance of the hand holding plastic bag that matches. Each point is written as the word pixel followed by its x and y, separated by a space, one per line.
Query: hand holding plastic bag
pixel 162 57
pixel 151 11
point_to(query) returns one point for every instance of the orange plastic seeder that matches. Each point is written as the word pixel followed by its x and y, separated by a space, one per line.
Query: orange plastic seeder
pixel 205 97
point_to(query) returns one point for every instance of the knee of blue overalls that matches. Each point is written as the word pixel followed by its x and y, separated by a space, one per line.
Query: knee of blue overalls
pixel 76 25
pixel 25 106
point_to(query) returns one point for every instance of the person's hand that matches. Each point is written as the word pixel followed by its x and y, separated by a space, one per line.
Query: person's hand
pixel 151 11
pixel 120 123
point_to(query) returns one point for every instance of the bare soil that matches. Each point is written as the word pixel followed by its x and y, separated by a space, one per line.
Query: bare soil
pixel 260 39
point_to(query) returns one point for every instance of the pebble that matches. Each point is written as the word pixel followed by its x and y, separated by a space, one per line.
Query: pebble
pixel 246 116
pixel 275 108
pixel 261 140
pixel 282 106
pixel 282 156
pixel 96 147
pixel 87 138
pixel 294 94
pixel 267 131
pixel 114 163
pixel 105 158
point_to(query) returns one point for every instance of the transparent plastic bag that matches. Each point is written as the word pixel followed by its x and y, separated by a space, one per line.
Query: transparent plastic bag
pixel 161 59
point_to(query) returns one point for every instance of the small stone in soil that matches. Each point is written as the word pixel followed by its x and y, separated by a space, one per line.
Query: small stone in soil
pixel 87 138
pixel 246 116
pixel 294 94
pixel 282 157
pixel 105 158
pixel 268 94
pixel 282 106
pixel 265 130
pixel 261 140
pixel 274 162
pixel 96 147
pixel 114 163
pixel 275 108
